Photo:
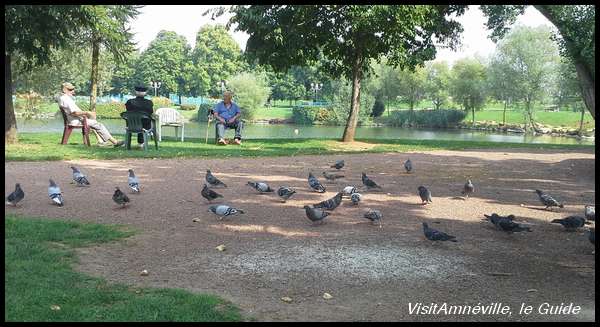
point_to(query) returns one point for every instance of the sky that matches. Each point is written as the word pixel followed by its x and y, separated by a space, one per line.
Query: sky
pixel 187 20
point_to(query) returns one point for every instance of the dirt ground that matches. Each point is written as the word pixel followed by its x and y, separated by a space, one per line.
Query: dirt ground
pixel 373 274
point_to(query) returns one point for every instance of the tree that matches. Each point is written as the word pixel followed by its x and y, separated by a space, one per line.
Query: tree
pixel 412 86
pixel 386 83
pixel 30 33
pixel 576 28
pixel 216 57
pixel 167 59
pixel 468 84
pixel 250 92
pixel 437 82
pixel 124 76
pixel 531 58
pixel 348 36
pixel 285 87
pixel 501 84
pixel 107 29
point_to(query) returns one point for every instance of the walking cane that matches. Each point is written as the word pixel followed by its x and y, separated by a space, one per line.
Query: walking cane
pixel 208 120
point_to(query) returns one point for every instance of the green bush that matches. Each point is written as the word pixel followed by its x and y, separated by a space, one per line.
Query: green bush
pixel 203 110
pixel 188 107
pixel 250 92
pixel 104 110
pixel 443 118
pixel 378 108
pixel 161 102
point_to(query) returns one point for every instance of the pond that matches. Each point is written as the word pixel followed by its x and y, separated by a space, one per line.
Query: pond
pixel 256 131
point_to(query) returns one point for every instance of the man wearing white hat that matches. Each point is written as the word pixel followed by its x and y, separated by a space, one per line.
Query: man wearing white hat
pixel 74 114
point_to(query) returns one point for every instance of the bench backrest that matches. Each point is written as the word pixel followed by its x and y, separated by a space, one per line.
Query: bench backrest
pixel 169 116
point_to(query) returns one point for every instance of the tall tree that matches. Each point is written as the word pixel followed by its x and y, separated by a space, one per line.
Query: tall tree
pixel 577 37
pixel 107 29
pixel 31 32
pixel 468 84
pixel 216 56
pixel 348 36
pixel 412 85
pixel 531 58
pixel 501 83
pixel 437 82
pixel 167 59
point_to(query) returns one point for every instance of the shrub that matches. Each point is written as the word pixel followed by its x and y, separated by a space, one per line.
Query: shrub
pixel 428 118
pixel 188 107
pixel 105 110
pixel 161 102
pixel 203 110
pixel 378 108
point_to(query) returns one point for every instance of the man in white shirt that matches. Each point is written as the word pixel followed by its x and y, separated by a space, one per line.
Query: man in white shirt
pixel 74 114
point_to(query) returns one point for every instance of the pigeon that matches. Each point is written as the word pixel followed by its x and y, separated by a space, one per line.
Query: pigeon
pixel 78 177
pixel 348 190
pixel 212 180
pixel 355 198
pixel 262 187
pixel 374 216
pixel 223 210
pixel 506 223
pixel 408 165
pixel 133 182
pixel 315 214
pixel 15 196
pixel 436 235
pixel 314 183
pixel 591 236
pixel 285 192
pixel 424 194
pixel 338 165
pixel 571 222
pixel 330 204
pixel 209 194
pixel 547 200
pixel 120 197
pixel 55 194
pixel 332 177
pixel 468 189
pixel 369 183
pixel 590 213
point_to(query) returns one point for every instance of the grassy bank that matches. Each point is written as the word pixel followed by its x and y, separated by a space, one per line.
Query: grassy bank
pixel 45 146
pixel 39 255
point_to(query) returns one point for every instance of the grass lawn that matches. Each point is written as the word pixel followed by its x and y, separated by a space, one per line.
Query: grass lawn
pixel 274 112
pixel 39 255
pixel 561 118
pixel 45 146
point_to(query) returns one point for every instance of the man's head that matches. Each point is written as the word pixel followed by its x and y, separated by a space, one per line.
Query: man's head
pixel 140 91
pixel 227 95
pixel 68 88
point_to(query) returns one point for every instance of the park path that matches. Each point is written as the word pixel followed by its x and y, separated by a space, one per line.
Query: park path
pixel 372 273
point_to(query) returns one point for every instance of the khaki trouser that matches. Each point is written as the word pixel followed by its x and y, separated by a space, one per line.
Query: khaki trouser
pixel 100 129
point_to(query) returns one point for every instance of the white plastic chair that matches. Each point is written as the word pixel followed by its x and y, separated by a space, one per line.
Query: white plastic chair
pixel 169 117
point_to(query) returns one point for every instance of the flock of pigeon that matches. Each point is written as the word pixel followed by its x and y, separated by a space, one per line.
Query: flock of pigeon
pixel 319 211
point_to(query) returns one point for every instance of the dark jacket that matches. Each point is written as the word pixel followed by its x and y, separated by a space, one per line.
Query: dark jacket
pixel 140 104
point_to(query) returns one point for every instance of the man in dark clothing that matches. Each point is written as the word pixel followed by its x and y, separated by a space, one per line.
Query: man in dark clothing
pixel 141 105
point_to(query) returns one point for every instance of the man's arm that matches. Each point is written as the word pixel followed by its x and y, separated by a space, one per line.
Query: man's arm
pixel 216 114
pixel 70 104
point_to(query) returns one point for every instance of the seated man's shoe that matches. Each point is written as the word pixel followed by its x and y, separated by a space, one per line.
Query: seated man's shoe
pixel 222 142
pixel 120 143
pixel 237 141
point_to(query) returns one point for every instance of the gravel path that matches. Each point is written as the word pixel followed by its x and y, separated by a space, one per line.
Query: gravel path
pixel 372 273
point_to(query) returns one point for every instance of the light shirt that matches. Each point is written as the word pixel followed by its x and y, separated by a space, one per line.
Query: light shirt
pixel 225 113
pixel 68 104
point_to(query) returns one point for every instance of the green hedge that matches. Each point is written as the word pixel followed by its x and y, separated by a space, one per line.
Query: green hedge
pixel 443 118
pixel 188 107
pixel 203 110
pixel 105 110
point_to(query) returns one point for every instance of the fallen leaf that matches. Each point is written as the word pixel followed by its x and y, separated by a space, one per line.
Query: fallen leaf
pixel 327 296
pixel 532 290
pixel 54 307
pixel 286 299
pixel 144 272
pixel 221 248
pixel 196 220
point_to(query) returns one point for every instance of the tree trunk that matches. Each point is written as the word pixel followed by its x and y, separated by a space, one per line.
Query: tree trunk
pixel 530 116
pixel 584 72
pixel 588 87
pixel 94 78
pixel 350 129
pixel 10 122
pixel 581 122
pixel 504 113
